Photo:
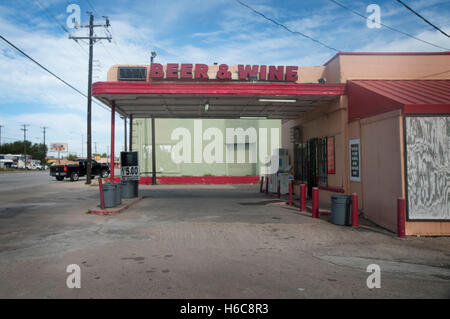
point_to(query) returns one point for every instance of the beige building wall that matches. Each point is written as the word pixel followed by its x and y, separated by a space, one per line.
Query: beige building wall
pixel 381 168
pixel 381 136
pixel 394 67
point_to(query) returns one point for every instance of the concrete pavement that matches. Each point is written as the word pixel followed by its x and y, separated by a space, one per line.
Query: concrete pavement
pixel 201 241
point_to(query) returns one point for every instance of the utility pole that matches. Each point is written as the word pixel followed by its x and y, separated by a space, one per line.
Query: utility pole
pixel 44 128
pixel 92 39
pixel 1 134
pixel 95 147
pixel 24 129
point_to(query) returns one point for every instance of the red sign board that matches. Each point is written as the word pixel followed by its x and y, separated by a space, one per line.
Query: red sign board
pixel 330 155
pixel 187 71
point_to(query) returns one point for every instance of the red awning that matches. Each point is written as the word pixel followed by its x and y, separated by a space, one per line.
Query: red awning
pixel 225 99
pixel 370 97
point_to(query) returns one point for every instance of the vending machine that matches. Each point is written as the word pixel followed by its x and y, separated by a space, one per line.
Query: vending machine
pixel 282 172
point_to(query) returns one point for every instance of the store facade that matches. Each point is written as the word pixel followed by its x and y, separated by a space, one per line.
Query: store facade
pixel 388 137
pixel 375 124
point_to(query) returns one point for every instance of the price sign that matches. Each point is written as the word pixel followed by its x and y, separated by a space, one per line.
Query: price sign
pixel 130 173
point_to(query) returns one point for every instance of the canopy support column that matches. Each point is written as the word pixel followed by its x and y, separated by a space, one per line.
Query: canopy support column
pixel 113 118
pixel 131 133
pixel 153 153
pixel 125 134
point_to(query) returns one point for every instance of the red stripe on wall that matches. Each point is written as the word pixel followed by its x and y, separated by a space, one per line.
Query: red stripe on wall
pixel 186 180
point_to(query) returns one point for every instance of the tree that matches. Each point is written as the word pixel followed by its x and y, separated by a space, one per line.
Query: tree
pixel 36 151
pixel 72 157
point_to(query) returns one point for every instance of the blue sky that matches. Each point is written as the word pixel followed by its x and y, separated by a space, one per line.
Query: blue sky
pixel 194 31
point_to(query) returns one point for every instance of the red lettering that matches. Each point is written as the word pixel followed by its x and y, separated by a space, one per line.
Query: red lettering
pixel 291 73
pixel 247 71
pixel 201 71
pixel 276 73
pixel 223 73
pixel 156 71
pixel 263 72
pixel 186 71
pixel 172 71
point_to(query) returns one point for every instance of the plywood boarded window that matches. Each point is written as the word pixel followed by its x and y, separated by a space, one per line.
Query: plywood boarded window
pixel 428 167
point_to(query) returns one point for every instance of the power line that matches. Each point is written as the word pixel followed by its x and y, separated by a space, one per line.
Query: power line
pixel 51 16
pixel 286 28
pixel 48 71
pixel 108 34
pixel 386 26
pixel 417 14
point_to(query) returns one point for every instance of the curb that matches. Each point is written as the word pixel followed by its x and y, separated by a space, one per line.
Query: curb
pixel 111 211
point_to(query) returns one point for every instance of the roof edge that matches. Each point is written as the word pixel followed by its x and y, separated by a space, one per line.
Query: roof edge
pixel 385 53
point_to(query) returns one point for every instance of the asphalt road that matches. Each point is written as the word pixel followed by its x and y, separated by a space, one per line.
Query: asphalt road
pixel 22 180
pixel 199 241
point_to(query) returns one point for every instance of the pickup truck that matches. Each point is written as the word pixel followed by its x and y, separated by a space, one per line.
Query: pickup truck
pixel 75 171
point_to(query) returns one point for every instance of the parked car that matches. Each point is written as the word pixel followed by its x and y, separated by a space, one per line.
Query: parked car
pixel 33 166
pixel 75 171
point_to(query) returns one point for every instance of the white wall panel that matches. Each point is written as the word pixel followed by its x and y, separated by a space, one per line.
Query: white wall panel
pixel 428 170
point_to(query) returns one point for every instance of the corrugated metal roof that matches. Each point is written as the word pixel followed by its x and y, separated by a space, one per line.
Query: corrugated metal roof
pixel 410 92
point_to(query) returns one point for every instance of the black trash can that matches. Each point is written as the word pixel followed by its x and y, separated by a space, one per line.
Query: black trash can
pixel 118 195
pixel 129 189
pixel 109 195
pixel 341 209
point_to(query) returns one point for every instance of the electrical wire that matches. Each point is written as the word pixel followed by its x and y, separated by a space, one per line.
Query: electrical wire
pixel 51 16
pixel 417 14
pixel 50 72
pixel 286 28
pixel 386 26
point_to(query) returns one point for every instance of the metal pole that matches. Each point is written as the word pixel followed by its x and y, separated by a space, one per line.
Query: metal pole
pixel 113 118
pixel 315 202
pixel 401 217
pixel 153 153
pixel 125 133
pixel 89 104
pixel 355 209
pixel 131 133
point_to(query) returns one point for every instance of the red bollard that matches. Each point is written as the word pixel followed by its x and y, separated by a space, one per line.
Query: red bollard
pixel 261 184
pixel 315 202
pixel 290 193
pixel 303 197
pixel 102 199
pixel 267 184
pixel 355 210
pixel 401 217
pixel 278 190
